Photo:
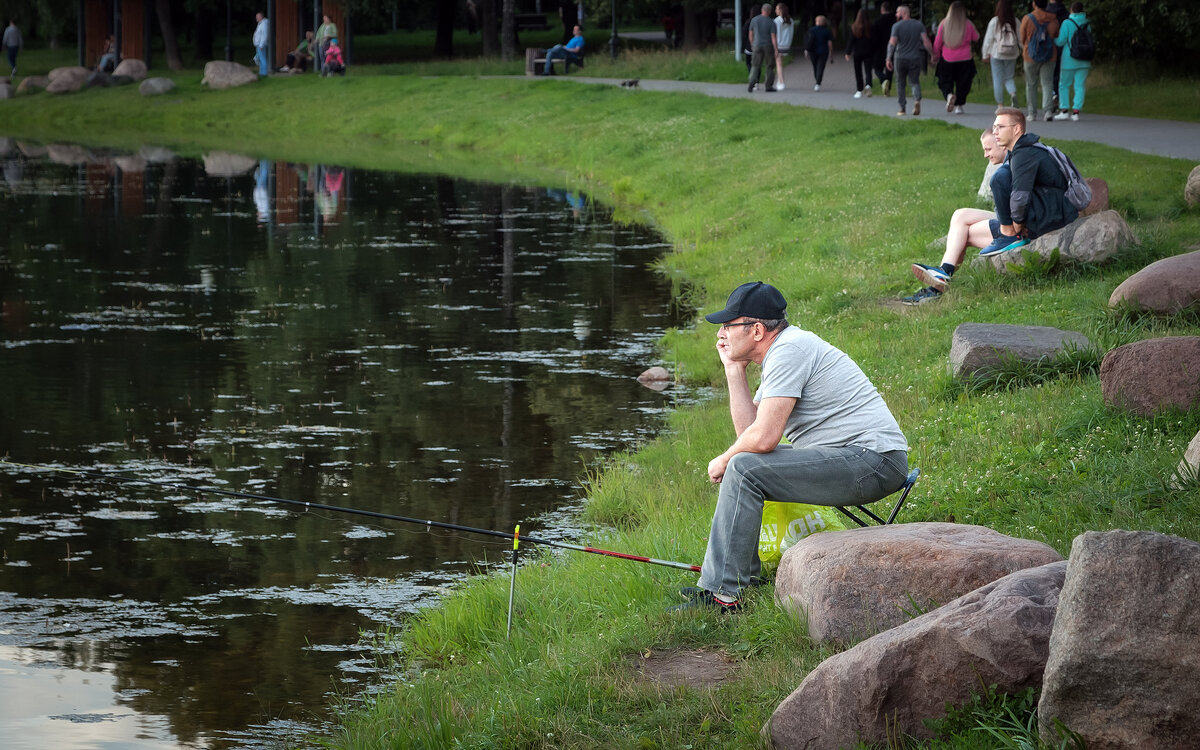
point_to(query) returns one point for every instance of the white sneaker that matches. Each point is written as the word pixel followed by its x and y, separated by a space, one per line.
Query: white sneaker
pixel 858 95
pixel 1050 115
pixel 949 102
pixel 817 87
pixel 1074 117
pixel 1061 116
pixel 958 110
pixel 779 87
pixel 867 92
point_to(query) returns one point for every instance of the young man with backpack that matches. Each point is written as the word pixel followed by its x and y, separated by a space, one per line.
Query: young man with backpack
pixel 1079 47
pixel 1039 29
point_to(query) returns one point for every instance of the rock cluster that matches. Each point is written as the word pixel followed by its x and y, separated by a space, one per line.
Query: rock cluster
pixel 1110 636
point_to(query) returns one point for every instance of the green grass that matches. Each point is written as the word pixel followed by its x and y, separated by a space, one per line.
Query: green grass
pixel 1035 454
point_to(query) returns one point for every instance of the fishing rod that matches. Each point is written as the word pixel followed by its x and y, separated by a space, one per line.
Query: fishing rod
pixel 101 476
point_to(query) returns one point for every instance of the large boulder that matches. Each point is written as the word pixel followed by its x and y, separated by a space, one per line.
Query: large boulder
pixel 67 80
pixel 156 86
pixel 1191 191
pixel 33 84
pixel 219 74
pixel 131 67
pixel 888 685
pixel 981 348
pixel 1165 286
pixel 853 584
pixel 1152 375
pixel 1090 239
pixel 1124 664
pixel 225 164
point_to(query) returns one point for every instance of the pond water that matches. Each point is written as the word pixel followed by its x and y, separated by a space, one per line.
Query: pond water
pixel 414 345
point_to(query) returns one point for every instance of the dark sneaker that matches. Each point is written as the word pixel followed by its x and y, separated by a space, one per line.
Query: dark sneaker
pixel 916 108
pixel 1004 243
pixel 931 275
pixel 705 600
pixel 928 294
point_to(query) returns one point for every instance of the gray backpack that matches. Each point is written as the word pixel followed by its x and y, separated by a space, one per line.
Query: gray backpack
pixel 1079 194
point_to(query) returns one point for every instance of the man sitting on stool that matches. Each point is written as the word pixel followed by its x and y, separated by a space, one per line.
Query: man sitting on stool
pixel 572 52
pixel 845 446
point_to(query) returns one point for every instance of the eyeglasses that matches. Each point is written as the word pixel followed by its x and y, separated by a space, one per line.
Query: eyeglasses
pixel 999 125
pixel 735 325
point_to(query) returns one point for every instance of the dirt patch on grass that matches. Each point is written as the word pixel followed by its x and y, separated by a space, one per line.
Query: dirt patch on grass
pixel 678 667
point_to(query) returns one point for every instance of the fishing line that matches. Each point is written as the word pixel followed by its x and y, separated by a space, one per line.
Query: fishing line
pixel 307 505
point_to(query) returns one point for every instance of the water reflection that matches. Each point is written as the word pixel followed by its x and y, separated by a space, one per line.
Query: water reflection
pixel 414 345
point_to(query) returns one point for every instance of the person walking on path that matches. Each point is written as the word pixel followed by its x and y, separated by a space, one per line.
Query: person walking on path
pixel 1074 71
pixel 12 43
pixel 762 47
pixel 1038 31
pixel 1060 12
pixel 860 51
pixel 261 33
pixel 906 51
pixel 785 30
pixel 1001 48
pixel 952 44
pixel 819 48
pixel 844 446
pixel 881 32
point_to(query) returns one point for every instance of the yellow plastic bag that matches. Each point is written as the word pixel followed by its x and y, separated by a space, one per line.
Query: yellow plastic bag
pixel 784 524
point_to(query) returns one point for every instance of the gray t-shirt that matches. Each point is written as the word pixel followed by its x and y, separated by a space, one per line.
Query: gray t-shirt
pixel 762 27
pixel 908 39
pixel 836 404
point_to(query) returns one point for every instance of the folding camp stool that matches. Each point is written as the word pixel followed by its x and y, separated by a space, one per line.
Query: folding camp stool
pixel 904 490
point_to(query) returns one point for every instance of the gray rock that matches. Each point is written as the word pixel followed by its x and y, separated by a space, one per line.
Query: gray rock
pixel 888 685
pixel 132 68
pixel 853 584
pixel 1091 239
pixel 33 84
pixel 117 80
pixel 225 164
pixel 99 80
pixel 1188 469
pixel 156 86
pixel 32 150
pixel 130 163
pixel 1191 191
pixel 219 74
pixel 980 348
pixel 1165 286
pixel 1124 663
pixel 71 72
pixel 7 91
pixel 156 154
pixel 1152 375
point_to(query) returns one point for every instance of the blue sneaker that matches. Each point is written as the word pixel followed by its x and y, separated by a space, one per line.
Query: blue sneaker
pixel 928 294
pixel 1004 243
pixel 931 275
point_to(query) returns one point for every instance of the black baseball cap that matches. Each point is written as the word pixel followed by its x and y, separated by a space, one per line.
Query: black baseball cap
pixel 755 299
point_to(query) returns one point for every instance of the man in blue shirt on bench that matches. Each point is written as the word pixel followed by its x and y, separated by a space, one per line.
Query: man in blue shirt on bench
pixel 571 52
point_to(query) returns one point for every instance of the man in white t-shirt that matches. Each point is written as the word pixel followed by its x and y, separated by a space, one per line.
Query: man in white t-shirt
pixel 844 446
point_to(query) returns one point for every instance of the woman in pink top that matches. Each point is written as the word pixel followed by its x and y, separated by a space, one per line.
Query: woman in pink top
pixel 957 67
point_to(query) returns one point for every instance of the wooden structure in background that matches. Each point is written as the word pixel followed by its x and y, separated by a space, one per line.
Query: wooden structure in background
pixel 130 21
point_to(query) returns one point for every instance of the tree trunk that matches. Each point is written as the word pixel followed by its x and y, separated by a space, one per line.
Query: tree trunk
pixel 443 43
pixel 162 8
pixel 692 37
pixel 487 28
pixel 508 31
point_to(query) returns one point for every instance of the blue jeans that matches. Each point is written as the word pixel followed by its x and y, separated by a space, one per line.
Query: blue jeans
pixel 559 52
pixel 1001 185
pixel 260 54
pixel 821 476
pixel 908 70
pixel 1004 78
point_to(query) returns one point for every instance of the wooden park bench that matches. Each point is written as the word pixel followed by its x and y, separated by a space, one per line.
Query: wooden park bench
pixel 535 61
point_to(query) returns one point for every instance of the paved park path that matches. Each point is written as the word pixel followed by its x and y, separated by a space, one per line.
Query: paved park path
pixel 1160 137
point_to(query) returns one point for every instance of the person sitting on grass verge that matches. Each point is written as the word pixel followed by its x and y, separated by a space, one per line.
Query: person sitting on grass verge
pixel 571 52
pixel 334 62
pixel 1030 196
pixel 969 227
pixel 845 447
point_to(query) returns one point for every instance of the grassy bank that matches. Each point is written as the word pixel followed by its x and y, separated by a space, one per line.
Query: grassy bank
pixel 830 207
